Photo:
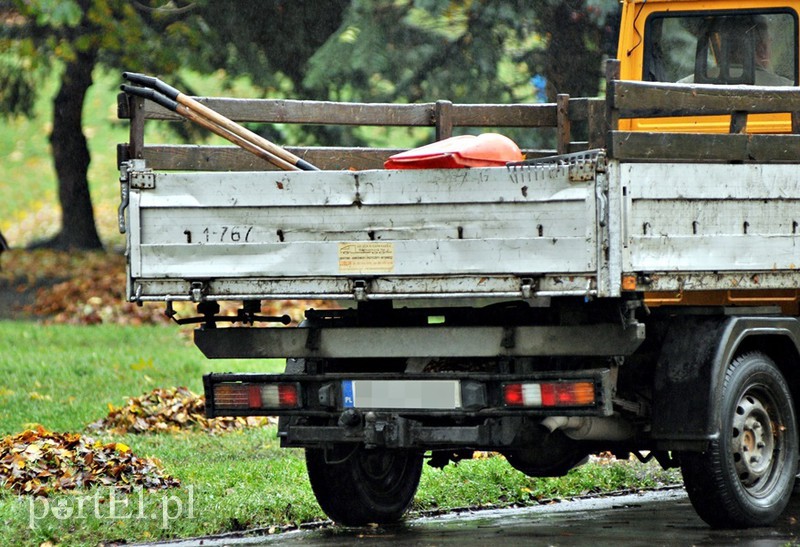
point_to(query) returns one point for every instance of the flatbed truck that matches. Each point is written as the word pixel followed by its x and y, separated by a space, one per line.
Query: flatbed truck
pixel 633 291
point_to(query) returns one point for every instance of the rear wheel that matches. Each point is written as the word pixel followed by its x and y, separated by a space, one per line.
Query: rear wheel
pixel 356 486
pixel 747 475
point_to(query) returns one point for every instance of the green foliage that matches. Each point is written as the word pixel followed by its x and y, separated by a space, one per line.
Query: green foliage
pixel 269 40
pixel 54 13
pixel 389 50
pixel 17 86
pixel 138 36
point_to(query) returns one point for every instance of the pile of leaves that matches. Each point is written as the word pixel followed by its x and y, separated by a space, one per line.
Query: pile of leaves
pixel 39 462
pixel 79 287
pixel 88 287
pixel 169 410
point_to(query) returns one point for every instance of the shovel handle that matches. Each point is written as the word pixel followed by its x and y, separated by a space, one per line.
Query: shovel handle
pixel 153 83
pixel 152 95
pixel 226 123
pixel 192 116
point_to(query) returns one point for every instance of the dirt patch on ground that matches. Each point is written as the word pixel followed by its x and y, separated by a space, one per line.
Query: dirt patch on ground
pixel 16 299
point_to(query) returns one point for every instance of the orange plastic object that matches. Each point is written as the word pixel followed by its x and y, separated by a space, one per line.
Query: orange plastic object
pixel 487 150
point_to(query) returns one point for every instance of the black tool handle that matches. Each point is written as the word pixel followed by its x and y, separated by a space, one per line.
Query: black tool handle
pixel 153 83
pixel 151 94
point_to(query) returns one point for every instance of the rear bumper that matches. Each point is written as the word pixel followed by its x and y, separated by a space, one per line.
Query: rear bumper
pixel 452 341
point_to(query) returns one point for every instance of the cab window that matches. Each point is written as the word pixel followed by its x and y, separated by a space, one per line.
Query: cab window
pixel 750 48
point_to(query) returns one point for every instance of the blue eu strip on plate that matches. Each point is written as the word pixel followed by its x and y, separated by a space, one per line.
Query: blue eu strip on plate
pixel 347 394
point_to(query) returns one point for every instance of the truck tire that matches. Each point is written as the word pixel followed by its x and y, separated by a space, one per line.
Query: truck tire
pixel 746 476
pixel 367 486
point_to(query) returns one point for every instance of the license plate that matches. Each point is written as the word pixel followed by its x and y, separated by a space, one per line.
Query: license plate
pixel 402 394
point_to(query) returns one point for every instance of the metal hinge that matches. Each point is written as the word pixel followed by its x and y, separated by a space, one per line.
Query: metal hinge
pixel 132 174
pixel 143 180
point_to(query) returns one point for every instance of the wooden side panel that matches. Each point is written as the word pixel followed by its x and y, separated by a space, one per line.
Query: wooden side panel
pixel 442 115
pixel 698 147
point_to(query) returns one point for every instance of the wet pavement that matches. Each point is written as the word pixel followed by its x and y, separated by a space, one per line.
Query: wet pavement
pixel 650 518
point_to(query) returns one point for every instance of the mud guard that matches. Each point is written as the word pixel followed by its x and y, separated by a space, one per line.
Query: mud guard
pixel 691 367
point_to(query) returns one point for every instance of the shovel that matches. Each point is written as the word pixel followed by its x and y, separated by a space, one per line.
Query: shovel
pixel 172 99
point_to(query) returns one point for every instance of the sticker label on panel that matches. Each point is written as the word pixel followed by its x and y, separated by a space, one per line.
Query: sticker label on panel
pixel 366 257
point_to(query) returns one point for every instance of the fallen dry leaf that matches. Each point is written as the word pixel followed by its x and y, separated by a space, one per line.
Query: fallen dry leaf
pixel 169 410
pixel 88 287
pixel 39 462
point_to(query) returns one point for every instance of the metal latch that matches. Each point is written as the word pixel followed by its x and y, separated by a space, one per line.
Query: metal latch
pixel 526 287
pixel 132 174
pixel 196 290
pixel 360 290
pixel 124 195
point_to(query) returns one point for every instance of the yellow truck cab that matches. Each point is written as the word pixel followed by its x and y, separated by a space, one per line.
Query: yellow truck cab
pixel 722 42
pixel 753 42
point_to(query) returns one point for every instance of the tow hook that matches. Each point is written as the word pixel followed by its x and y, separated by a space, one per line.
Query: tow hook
pixel 350 418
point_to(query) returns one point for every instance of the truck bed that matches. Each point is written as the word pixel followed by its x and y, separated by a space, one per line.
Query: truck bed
pixel 668 214
pixel 403 234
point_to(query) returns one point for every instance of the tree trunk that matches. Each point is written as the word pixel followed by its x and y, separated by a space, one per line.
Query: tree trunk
pixel 71 157
pixel 572 62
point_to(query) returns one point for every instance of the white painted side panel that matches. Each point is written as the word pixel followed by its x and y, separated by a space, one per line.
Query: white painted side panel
pixel 416 228
pixel 705 218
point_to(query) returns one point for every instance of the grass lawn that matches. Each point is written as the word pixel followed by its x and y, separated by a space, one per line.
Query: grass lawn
pixel 65 376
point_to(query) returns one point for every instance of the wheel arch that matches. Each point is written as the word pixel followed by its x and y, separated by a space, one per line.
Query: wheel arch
pixel 784 349
pixel 691 366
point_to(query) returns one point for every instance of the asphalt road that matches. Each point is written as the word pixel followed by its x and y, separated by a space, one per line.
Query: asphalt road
pixel 650 518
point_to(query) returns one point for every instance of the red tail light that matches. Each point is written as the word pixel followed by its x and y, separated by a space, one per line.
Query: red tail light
pixel 241 396
pixel 549 394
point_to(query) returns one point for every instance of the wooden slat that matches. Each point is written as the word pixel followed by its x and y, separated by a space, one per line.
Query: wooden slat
pixel 136 130
pixel 308 112
pixel 763 148
pixel 232 158
pixel 646 99
pixel 596 116
pixel 613 68
pixel 795 122
pixel 640 146
pixel 331 113
pixel 443 119
pixel 443 115
pixel 738 121
pixel 187 157
pixel 564 125
pixel 504 115
pixel 581 108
